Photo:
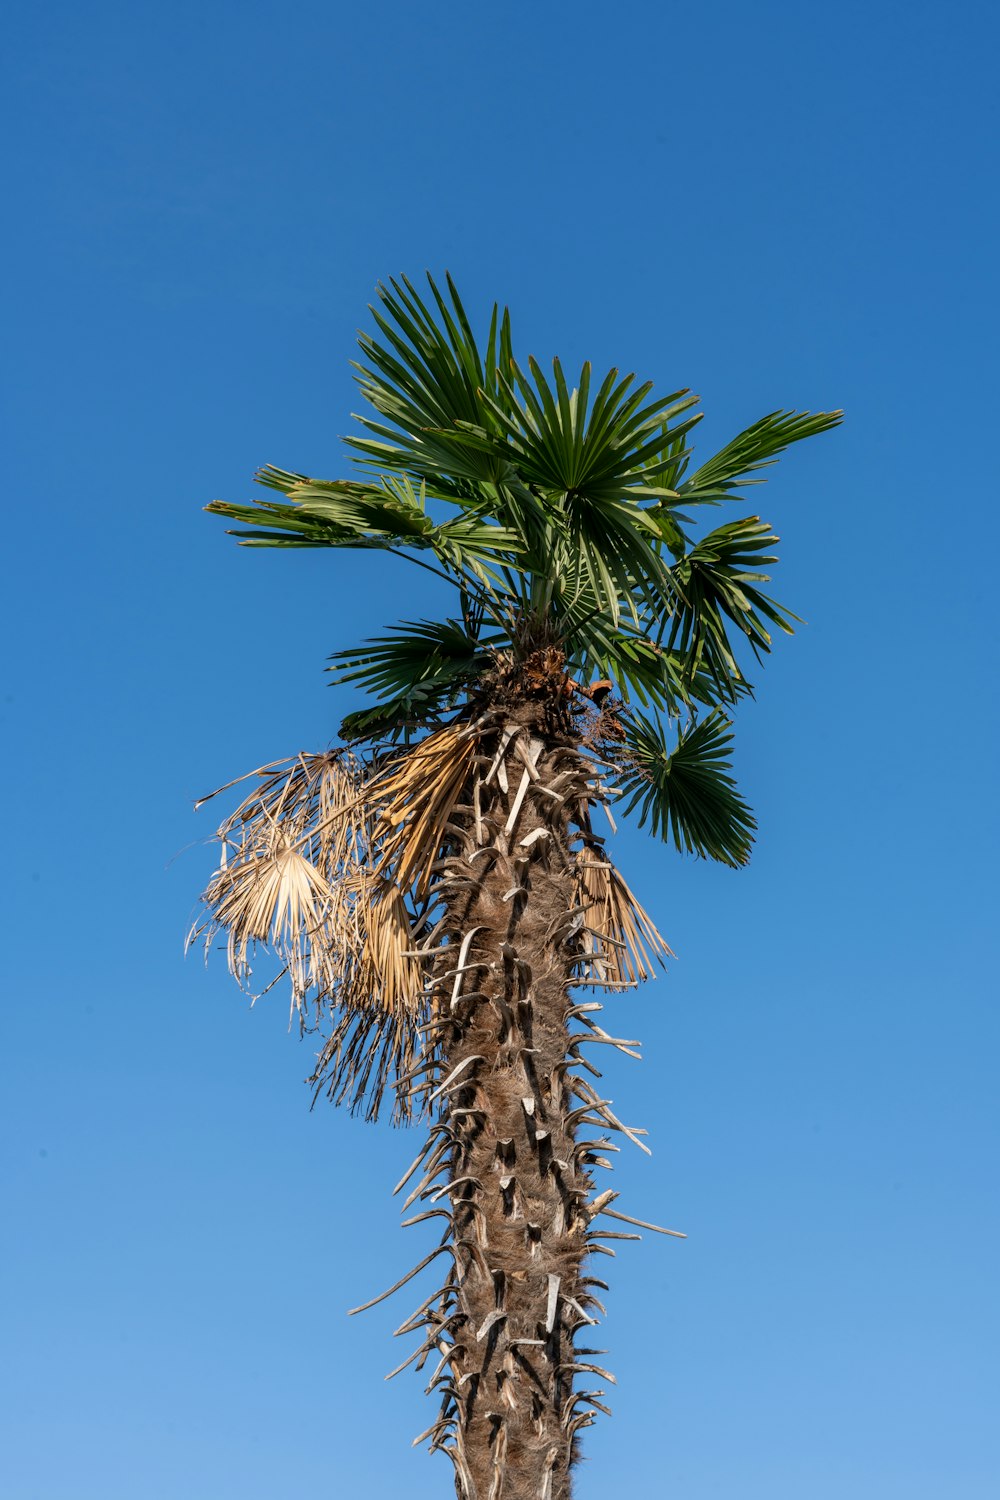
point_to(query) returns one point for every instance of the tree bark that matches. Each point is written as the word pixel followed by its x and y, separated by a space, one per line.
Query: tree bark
pixel 517 1179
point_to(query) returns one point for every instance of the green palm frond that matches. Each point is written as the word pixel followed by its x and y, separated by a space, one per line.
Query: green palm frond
pixel 424 376
pixel 757 447
pixel 329 513
pixel 719 598
pixel 393 514
pixel 683 792
pixel 592 465
pixel 640 669
pixel 672 458
pixel 505 443
pixel 342 513
pixel 562 446
pixel 417 674
pixel 541 502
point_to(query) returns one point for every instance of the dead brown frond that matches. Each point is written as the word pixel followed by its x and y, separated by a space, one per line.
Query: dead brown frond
pixel 621 944
pixel 365 1051
pixel 321 864
pixel 416 795
pixel 271 894
pixel 284 854
pixel 295 876
pixel 387 971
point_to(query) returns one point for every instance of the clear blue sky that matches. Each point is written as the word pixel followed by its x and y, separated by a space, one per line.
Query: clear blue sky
pixel 777 204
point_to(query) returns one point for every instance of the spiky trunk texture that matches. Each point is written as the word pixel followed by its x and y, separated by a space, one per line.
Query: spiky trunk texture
pixel 516 1177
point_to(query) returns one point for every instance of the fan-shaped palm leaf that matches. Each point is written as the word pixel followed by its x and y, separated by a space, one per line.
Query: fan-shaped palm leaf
pixel 425 377
pixel 297 875
pixel 416 673
pixel 683 792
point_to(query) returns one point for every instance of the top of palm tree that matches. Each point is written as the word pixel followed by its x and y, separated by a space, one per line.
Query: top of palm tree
pixel 561 516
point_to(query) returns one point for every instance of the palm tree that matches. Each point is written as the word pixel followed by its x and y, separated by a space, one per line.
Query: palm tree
pixel 434 887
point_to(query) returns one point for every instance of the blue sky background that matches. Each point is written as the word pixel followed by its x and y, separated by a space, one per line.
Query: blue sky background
pixel 777 204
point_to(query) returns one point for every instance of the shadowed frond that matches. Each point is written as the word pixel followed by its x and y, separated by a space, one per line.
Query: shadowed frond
pixel 684 792
pixel 641 669
pixel 417 673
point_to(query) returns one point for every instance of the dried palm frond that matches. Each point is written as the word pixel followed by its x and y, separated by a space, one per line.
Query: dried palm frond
pixel 280 882
pixel 380 1000
pixel 315 866
pixel 621 944
pixel 295 874
pixel 364 1052
pixel 416 793
pixel 271 894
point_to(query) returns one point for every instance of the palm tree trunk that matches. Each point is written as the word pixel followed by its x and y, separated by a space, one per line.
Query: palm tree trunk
pixel 516 1177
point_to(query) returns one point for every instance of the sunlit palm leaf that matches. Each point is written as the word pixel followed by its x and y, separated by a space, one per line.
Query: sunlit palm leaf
pixel 591 468
pixel 755 448
pixel 720 601
pixel 683 792
pixel 424 376
pixel 342 513
pixel 560 446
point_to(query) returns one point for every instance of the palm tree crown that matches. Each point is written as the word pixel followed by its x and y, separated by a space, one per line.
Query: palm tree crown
pixel 559 516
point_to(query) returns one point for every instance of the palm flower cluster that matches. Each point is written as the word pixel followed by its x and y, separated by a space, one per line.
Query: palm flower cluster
pixel 434 888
